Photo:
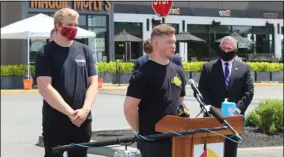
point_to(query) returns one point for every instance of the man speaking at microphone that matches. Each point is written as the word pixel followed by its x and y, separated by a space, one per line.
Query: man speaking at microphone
pixel 229 78
pixel 155 90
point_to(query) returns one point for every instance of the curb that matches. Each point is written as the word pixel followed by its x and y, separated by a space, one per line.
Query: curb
pixel 115 87
pixel 267 84
pixel 262 148
pixel 22 91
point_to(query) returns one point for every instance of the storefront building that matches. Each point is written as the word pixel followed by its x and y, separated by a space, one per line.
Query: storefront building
pixel 96 16
pixel 260 22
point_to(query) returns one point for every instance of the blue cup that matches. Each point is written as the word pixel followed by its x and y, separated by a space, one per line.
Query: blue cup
pixel 228 108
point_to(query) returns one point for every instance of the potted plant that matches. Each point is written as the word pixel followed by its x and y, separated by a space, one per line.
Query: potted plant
pixel 276 71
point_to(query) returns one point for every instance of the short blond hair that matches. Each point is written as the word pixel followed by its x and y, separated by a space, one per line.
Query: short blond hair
pixel 58 16
pixel 162 29
pixel 148 46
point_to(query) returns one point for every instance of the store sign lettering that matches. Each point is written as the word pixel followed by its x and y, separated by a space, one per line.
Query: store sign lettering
pixel 174 11
pixel 97 5
pixel 270 15
pixel 225 13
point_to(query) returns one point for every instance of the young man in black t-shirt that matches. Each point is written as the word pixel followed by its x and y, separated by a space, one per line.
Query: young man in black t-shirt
pixel 155 90
pixel 67 80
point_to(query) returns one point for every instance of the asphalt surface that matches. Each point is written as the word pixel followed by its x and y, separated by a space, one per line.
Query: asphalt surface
pixel 21 120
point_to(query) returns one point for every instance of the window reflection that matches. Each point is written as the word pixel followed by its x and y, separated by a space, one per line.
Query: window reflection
pixel 176 27
pixel 198 49
pixel 263 37
pixel 134 49
pixel 97 21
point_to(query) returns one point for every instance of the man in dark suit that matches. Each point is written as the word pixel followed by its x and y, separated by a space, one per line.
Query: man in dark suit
pixel 148 49
pixel 228 78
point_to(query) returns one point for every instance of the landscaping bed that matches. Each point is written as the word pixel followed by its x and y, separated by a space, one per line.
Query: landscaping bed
pixel 251 137
pixel 119 72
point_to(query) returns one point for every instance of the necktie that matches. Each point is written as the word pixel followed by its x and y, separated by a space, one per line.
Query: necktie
pixel 227 75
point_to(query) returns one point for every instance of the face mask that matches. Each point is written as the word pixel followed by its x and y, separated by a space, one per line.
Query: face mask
pixel 226 56
pixel 69 33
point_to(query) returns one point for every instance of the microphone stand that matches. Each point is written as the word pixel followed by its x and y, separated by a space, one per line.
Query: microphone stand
pixel 201 104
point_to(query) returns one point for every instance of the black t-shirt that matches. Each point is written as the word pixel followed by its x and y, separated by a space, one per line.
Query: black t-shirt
pixel 69 68
pixel 159 87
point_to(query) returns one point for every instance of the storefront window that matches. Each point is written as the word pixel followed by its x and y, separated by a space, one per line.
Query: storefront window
pixel 134 49
pixel 198 49
pixel 282 38
pixel 176 26
pixel 98 25
pixel 244 49
pixel 263 38
pixel 97 21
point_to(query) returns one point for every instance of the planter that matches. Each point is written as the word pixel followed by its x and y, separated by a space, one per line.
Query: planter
pixel 277 76
pixel 252 74
pixel 187 75
pixel 195 76
pixel 116 78
pixel 100 82
pixel 108 77
pixel 12 82
pixel 124 78
pixel 262 76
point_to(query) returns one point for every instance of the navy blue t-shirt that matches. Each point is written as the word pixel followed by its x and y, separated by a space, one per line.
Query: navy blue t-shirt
pixel 69 68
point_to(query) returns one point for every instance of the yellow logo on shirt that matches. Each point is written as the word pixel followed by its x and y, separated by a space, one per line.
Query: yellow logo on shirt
pixel 177 81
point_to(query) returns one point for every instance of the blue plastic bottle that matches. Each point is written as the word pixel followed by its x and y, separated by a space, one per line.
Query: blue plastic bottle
pixel 228 108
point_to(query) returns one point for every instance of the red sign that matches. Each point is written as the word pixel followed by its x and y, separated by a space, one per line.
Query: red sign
pixel 162 7
pixel 270 15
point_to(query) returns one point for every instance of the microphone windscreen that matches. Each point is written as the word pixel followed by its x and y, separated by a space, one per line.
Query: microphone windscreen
pixel 217 114
pixel 191 81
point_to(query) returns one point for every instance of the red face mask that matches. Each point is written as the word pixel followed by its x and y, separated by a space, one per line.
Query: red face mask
pixel 69 33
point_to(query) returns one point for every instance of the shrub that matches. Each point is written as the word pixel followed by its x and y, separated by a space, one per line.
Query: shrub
pixel 267 117
pixel 14 70
pixel 266 67
pixel 193 66
pixel 127 67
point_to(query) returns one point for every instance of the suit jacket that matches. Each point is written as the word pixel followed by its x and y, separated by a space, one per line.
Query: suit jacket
pixel 213 88
pixel 143 59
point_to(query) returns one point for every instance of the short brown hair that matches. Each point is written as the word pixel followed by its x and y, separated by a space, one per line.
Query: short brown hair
pixel 147 46
pixel 163 29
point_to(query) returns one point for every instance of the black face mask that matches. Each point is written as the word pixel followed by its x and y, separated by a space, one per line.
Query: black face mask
pixel 226 56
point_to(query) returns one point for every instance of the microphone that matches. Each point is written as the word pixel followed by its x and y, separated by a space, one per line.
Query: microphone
pixel 195 89
pixel 222 119
pixel 198 97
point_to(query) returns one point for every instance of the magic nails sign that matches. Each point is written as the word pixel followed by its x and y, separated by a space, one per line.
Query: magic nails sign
pixel 95 5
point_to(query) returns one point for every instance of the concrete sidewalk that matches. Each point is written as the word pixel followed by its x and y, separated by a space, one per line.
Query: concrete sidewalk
pixel 116 87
